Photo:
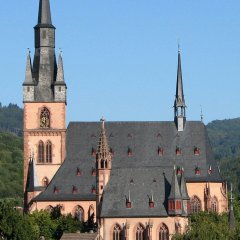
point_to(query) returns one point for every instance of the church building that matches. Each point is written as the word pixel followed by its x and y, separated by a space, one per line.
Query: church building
pixel 137 180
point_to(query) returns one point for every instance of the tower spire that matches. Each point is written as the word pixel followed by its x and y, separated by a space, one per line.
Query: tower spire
pixel 44 14
pixel 28 73
pixel 60 70
pixel 179 104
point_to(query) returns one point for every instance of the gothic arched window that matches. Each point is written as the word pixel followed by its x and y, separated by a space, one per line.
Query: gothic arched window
pixel 79 213
pixel 163 232
pixel 45 118
pixel 49 152
pixel 214 205
pixel 141 233
pixel 195 204
pixel 117 233
pixel 41 152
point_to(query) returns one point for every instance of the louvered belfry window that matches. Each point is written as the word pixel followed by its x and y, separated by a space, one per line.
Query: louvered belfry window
pixel 45 118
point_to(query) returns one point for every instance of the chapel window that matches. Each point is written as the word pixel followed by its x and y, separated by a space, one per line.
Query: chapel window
pixel 45 118
pixel 41 152
pixel 195 205
pixel 141 233
pixel 117 232
pixel 49 152
pixel 79 213
pixel 163 232
pixel 214 205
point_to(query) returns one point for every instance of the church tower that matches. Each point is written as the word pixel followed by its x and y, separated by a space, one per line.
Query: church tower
pixel 44 98
pixel 179 104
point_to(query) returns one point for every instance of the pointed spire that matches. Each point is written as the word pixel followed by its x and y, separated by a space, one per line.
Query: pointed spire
pixel 232 222
pixel 179 101
pixel 60 70
pixel 175 190
pixel 103 148
pixel 44 14
pixel 28 73
pixel 183 187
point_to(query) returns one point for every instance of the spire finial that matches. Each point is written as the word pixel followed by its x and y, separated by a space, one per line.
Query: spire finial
pixel 103 120
pixel 201 114
pixel 179 48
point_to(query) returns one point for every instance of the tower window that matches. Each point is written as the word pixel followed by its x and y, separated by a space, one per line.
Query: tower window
pixel 41 152
pixel 28 89
pixel 59 89
pixel 45 118
pixel 49 152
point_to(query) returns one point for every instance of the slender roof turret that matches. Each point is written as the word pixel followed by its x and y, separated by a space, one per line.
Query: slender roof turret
pixel 103 148
pixel 60 71
pixel 175 190
pixel 183 187
pixel 179 101
pixel 28 73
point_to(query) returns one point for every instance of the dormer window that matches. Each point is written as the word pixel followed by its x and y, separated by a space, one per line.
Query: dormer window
pixel 94 173
pixel 94 190
pixel 74 190
pixel 130 152
pixel 160 151
pixel 151 204
pixel 196 150
pixel 171 205
pixel 56 190
pixel 128 204
pixel 111 151
pixel 210 169
pixel 197 171
pixel 178 151
pixel 179 170
pixel 130 135
pixel 93 152
pixel 79 172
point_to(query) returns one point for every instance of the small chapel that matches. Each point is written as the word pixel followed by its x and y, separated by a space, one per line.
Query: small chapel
pixel 136 180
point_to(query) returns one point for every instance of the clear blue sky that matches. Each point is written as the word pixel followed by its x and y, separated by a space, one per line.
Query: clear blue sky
pixel 120 57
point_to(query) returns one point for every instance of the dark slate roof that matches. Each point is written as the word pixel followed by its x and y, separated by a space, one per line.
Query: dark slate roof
pixel 141 182
pixel 144 140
